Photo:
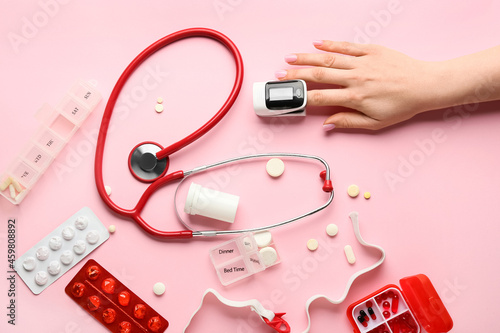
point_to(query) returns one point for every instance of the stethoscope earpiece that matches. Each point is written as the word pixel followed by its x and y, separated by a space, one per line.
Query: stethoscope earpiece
pixel 143 163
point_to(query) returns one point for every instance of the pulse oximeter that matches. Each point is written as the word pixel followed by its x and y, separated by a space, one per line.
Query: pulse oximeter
pixel 280 98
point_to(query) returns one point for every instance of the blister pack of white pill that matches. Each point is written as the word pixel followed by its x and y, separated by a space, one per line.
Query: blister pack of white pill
pixel 60 250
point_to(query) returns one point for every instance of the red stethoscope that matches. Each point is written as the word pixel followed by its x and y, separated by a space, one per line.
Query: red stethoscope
pixel 149 161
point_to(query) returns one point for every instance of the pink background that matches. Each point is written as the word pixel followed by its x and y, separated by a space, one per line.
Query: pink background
pixel 441 219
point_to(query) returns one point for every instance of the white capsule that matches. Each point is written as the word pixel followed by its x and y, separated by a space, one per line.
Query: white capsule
pixel 81 222
pixel 263 238
pixel 41 278
pixel 79 247
pixel 68 233
pixel 269 256
pixel 92 237
pixel 5 184
pixel 159 288
pixel 67 257
pixel 29 264
pixel 54 267
pixel 55 243
pixel 12 191
pixel 42 253
pixel 349 254
pixel 16 184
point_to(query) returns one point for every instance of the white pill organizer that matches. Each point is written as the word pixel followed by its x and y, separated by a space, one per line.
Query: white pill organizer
pixel 57 127
pixel 242 257
pixel 60 250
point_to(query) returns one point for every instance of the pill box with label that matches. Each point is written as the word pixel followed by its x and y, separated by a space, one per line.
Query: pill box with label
pixel 407 309
pixel 57 127
pixel 244 256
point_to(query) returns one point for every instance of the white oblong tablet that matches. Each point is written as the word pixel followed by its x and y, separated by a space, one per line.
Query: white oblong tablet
pixel 275 167
pixel 263 238
pixel 353 191
pixel 41 278
pixel 349 254
pixel 54 267
pixel 67 257
pixel 92 237
pixel 312 244
pixel 79 247
pixel 332 229
pixel 159 288
pixel 55 243
pixel 68 233
pixel 42 253
pixel 29 264
pixel 81 222
pixel 108 190
pixel 269 256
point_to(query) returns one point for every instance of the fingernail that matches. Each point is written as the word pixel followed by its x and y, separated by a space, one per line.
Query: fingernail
pixel 291 58
pixel 317 42
pixel 328 127
pixel 280 74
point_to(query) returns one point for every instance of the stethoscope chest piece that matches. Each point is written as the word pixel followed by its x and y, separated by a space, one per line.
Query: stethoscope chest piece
pixel 143 163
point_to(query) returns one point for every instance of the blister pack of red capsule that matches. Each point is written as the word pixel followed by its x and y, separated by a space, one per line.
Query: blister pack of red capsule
pixel 394 310
pixel 110 302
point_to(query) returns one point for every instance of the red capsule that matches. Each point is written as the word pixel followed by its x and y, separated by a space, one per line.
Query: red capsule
pixel 369 304
pixel 108 285
pixel 125 327
pixel 363 314
pixel 93 303
pixel 361 319
pixel 386 305
pixel 78 289
pixel 395 304
pixel 154 324
pixel 124 298
pixel 372 313
pixel 139 311
pixel 109 315
pixel 93 272
pixel 386 314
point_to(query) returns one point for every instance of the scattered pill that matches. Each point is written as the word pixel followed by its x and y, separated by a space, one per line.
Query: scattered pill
pixel 112 228
pixel 42 253
pixel 12 191
pixel 108 190
pixel 263 238
pixel 367 195
pixel 41 278
pixel 269 256
pixel 159 100
pixel 159 108
pixel 16 184
pixel 395 303
pixel 159 288
pixel 312 244
pixel 29 264
pixel 349 254
pixel 275 167
pixel 54 268
pixel 353 191
pixel 332 229
pixel 5 184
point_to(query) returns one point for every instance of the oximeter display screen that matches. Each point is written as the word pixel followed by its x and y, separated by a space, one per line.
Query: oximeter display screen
pixel 281 94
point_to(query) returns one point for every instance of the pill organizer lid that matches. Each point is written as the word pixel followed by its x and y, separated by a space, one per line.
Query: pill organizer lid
pixel 425 304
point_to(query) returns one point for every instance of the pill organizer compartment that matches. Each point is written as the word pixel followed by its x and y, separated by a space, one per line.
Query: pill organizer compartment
pixel 239 258
pixel 416 304
pixel 57 127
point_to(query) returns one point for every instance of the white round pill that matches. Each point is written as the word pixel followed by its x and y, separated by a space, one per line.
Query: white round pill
pixel 55 243
pixel 108 189
pixel 112 228
pixel 349 254
pixel 263 238
pixel 269 256
pixel 42 253
pixel 41 278
pixel 332 229
pixel 81 222
pixel 159 108
pixel 353 191
pixel 68 233
pixel 54 268
pixel 312 244
pixel 92 237
pixel 79 247
pixel 159 288
pixel 275 167
pixel 159 100
pixel 29 264
pixel 67 257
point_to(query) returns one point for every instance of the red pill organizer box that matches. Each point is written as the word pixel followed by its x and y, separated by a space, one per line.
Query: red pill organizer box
pixel 407 309
pixel 110 302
